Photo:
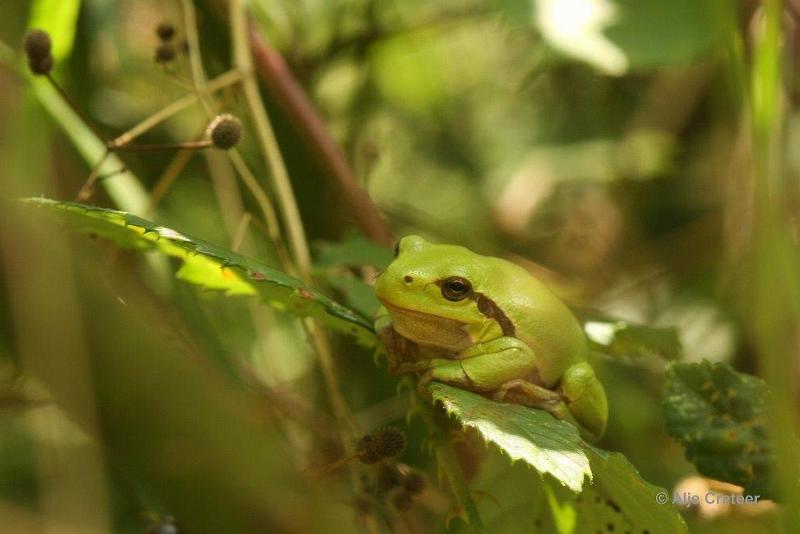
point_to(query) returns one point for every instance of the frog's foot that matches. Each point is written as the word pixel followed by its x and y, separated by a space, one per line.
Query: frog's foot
pixel 586 398
pixel 519 391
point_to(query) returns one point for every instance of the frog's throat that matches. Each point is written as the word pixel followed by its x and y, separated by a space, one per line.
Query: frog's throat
pixel 429 329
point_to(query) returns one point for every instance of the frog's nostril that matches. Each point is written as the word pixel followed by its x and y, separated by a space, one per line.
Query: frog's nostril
pixel 408 279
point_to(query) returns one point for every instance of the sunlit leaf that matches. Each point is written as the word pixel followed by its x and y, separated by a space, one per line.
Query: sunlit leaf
pixel 617 35
pixel 212 267
pixel 615 494
pixel 621 498
pixel 719 416
pixel 624 339
pixel 58 18
pixel 533 436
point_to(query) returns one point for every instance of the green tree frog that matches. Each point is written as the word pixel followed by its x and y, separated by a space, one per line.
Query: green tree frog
pixel 486 325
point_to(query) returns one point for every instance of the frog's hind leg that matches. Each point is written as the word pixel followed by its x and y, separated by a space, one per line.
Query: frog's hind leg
pixel 586 398
pixel 519 391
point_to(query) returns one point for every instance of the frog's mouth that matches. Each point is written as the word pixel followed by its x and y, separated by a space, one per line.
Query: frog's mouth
pixel 428 329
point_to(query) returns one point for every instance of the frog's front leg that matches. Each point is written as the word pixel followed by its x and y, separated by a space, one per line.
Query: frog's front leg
pixel 483 367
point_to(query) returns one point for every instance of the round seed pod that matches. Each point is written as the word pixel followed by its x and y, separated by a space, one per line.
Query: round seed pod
pixel 37 46
pixel 386 443
pixel 225 131
pixel 391 440
pixel 368 453
pixel 165 31
pixel 165 53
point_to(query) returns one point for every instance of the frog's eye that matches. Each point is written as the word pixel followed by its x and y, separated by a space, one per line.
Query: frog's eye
pixel 396 248
pixel 456 288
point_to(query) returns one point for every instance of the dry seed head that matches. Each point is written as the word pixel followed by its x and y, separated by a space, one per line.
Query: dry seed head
pixel 392 440
pixel 386 443
pixel 368 453
pixel 165 31
pixel 37 47
pixel 165 53
pixel 225 131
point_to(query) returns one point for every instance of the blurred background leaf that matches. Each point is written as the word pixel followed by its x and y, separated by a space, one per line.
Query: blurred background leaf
pixel 721 417
pixel 604 145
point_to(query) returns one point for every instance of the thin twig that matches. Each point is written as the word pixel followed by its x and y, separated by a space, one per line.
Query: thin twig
pixel 267 211
pixel 291 218
pixel 269 145
pixel 195 61
pixel 86 190
pixel 262 199
pixel 160 147
pixel 182 103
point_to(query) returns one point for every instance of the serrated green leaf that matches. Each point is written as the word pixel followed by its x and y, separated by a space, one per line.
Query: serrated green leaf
pixel 616 494
pixel 533 436
pixel 212 267
pixel 620 497
pixel 618 338
pixel 719 416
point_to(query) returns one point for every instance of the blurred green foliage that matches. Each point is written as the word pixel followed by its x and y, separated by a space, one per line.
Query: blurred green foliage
pixel 605 145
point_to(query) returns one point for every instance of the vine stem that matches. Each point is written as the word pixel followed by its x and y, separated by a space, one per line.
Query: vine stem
pixel 298 244
pixel 776 260
pixel 448 463
pixel 269 144
pixel 202 89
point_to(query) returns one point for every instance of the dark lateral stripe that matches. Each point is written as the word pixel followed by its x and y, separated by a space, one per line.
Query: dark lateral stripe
pixel 489 309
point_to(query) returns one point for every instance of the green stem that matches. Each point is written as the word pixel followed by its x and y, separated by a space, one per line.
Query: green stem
pixel 298 244
pixel 776 259
pixel 269 144
pixel 448 463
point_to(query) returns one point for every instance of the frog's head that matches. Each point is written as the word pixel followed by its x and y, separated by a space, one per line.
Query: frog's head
pixel 432 291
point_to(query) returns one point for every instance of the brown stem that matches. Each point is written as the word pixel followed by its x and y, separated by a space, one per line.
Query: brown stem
pixel 290 96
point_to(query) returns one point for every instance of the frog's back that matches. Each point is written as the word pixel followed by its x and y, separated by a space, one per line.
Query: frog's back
pixel 540 319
